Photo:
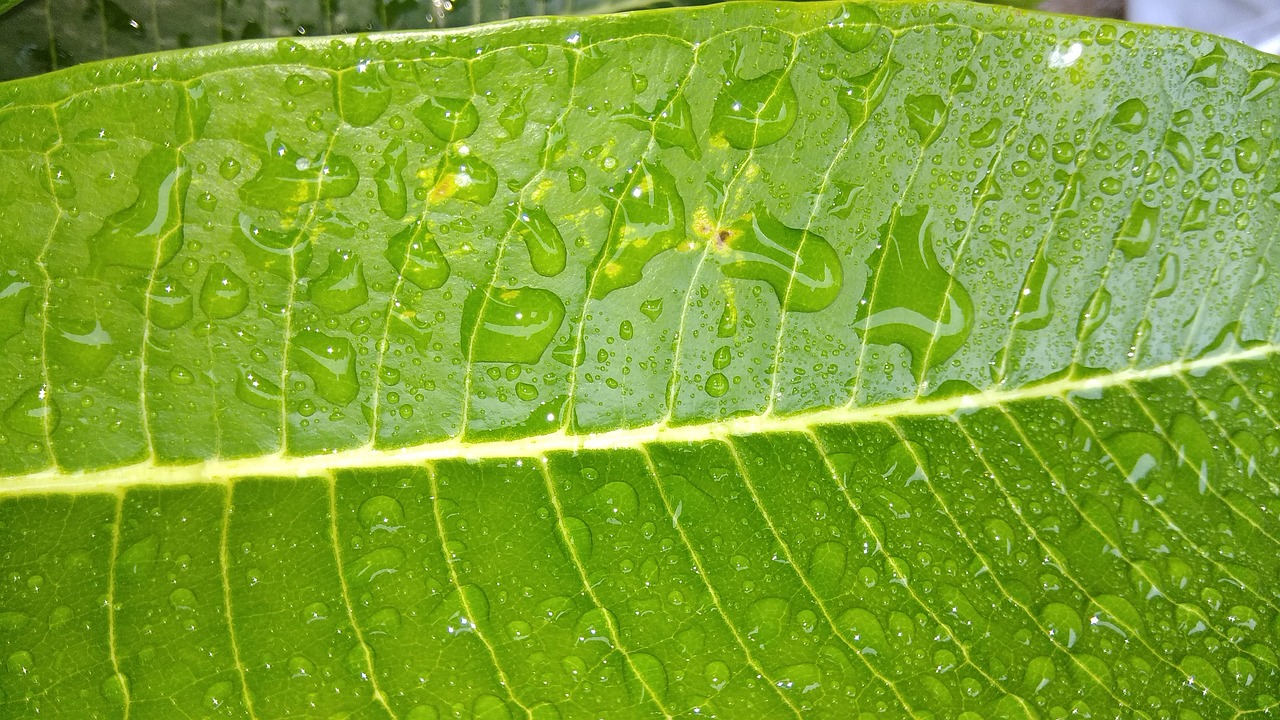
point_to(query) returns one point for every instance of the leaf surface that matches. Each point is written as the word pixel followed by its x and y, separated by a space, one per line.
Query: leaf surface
pixel 757 361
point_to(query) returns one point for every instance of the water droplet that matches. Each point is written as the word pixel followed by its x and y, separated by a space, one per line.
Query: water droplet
pixel 671 124
pixel 148 233
pixel 717 385
pixel 517 324
pixel 448 118
pixel 987 135
pixel 757 112
pixel 1139 229
pixel 1195 450
pixel 362 93
pixel 526 392
pixel 1062 623
pixel 341 288
pixel 381 513
pixel 416 256
pixel 1197 215
pixel 801 267
pixel 466 177
pixel 287 180
pixel 578 535
pixel 546 247
pixel 280 253
pixel 20 662
pixel 315 612
pixel 1095 313
pixel 229 168
pixel 376 563
pixel 804 678
pixel 254 389
pixel 863 631
pixel 1263 81
pixel 1167 279
pixel 85 346
pixel 1131 115
pixel 393 196
pixel 926 116
pixel 519 630
pixel 652 674
pixel 300 666
pixel 423 712
pixel 1207 69
pixel 915 296
pixel 179 375
pixel 182 599
pixel 61 185
pixel 224 294
pixel 1249 156
pixel 651 308
pixel 170 304
pixel 489 707
pixel 827 565
pixel 113 689
pixel 1036 306
pixel 298 85
pixel 1178 146
pixel 383 622
pixel 854 28
pixel 330 362
pixel 15 297
pixel 219 694
pixel 648 220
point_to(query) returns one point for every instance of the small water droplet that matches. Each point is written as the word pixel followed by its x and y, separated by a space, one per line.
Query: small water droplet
pixel 381 513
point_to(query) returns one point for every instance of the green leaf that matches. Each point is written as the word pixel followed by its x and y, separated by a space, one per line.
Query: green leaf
pixel 756 360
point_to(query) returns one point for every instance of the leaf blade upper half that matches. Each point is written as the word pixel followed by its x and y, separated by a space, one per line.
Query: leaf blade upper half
pixel 753 360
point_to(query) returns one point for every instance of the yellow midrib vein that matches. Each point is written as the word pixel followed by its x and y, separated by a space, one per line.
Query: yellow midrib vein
pixel 281 465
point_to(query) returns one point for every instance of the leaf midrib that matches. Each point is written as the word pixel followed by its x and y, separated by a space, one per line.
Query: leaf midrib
pixel 280 464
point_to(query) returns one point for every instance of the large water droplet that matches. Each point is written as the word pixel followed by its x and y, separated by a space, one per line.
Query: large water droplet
pixel 861 95
pixel 756 112
pixel 1131 115
pixel 33 413
pixel 517 324
pixel 393 196
pixel 224 294
pixel 648 220
pixel 1062 623
pixel 1167 278
pixel 1263 81
pixel 1094 314
pixel 466 177
pixel 15 297
pixel 85 346
pixel 1207 69
pixel 448 118
pixel 381 513
pixel 801 267
pixel 546 246
pixel 170 304
pixel 362 93
pixel 1035 307
pixel 416 256
pixel 863 631
pixel 1179 147
pixel 287 180
pixel 652 675
pixel 148 233
pixel 280 253
pixel 1139 229
pixel 254 389
pixel 1196 456
pixel 341 288
pixel 926 116
pixel 330 362
pixel 60 183
pixel 854 27
pixel 915 296
pixel 671 123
